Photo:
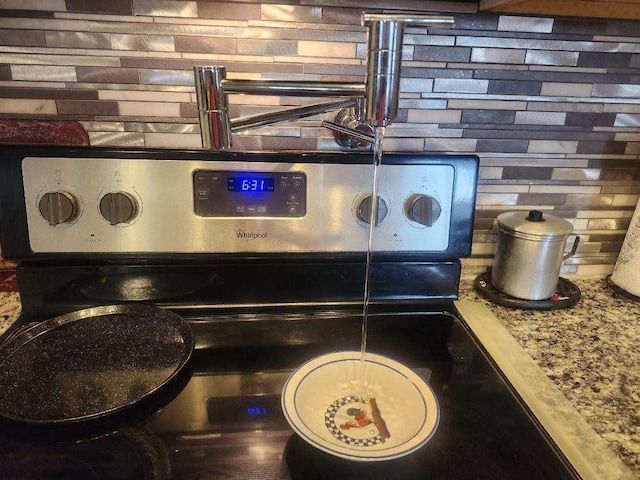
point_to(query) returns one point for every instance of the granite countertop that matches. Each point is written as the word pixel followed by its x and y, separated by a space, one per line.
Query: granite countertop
pixel 589 351
pixel 591 354
pixel 10 308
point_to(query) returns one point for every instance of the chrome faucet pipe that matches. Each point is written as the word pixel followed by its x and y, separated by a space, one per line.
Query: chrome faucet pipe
pixel 212 88
pixel 213 111
pixel 294 88
pixel 251 121
pixel 411 19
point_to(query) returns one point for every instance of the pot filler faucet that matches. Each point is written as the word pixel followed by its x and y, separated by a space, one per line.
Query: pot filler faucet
pixel 373 103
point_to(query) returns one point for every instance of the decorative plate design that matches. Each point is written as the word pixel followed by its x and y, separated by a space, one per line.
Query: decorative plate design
pixel 364 411
pixel 356 427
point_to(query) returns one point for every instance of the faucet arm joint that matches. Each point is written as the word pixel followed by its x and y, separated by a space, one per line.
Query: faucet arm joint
pixel 262 119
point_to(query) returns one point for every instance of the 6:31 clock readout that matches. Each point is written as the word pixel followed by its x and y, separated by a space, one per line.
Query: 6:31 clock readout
pixel 250 184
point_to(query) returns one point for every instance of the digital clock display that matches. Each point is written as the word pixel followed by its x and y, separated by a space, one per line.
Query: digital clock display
pixel 256 411
pixel 250 184
pixel 245 411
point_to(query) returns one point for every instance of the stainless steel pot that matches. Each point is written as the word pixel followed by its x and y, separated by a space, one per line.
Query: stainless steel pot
pixel 530 253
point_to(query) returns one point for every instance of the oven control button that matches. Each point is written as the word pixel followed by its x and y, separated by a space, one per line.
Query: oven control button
pixel 118 207
pixel 363 210
pixel 423 209
pixel 58 207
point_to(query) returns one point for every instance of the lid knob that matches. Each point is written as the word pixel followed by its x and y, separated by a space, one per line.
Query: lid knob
pixel 535 216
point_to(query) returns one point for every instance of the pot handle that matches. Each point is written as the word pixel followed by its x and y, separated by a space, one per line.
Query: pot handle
pixel 576 242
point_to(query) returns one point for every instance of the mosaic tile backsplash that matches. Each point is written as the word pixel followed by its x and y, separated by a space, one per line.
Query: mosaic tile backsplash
pixel 550 105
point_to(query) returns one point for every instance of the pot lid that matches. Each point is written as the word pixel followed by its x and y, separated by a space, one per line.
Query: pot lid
pixel 534 222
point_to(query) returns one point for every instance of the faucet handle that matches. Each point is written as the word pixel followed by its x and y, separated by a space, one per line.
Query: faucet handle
pixel 419 20
pixel 349 131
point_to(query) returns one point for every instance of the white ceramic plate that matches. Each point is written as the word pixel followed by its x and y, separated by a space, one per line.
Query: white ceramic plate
pixel 327 402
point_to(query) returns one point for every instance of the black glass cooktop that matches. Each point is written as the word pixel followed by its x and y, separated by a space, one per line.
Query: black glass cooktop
pixel 223 419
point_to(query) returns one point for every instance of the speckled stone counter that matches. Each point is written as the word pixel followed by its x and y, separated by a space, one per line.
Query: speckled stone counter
pixel 591 353
pixel 10 308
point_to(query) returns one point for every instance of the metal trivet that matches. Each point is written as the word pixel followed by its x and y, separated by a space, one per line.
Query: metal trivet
pixel 621 291
pixel 566 296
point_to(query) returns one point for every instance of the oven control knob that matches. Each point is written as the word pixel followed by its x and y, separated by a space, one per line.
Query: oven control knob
pixel 363 210
pixel 118 207
pixel 423 209
pixel 58 207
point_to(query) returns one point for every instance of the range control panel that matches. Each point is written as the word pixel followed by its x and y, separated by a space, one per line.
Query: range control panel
pixel 164 205
pixel 249 193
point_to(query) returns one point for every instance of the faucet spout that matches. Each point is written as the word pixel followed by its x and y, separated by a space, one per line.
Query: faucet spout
pixel 384 54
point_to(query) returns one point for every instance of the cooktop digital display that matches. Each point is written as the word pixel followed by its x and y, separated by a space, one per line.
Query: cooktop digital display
pixel 223 193
pixel 250 184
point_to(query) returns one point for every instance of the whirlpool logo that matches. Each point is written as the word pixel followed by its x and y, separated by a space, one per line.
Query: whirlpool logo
pixel 250 235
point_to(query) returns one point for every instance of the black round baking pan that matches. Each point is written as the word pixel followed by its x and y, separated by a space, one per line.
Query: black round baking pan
pixel 92 363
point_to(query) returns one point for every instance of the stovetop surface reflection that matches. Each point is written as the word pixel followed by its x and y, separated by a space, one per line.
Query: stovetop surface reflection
pixel 222 419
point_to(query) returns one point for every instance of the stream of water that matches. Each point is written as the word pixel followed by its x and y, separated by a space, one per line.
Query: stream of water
pixel 377 160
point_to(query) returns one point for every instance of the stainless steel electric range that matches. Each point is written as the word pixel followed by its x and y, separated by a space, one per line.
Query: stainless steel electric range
pixel 264 256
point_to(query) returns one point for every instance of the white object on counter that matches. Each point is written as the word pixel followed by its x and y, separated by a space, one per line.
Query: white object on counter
pixel 626 273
